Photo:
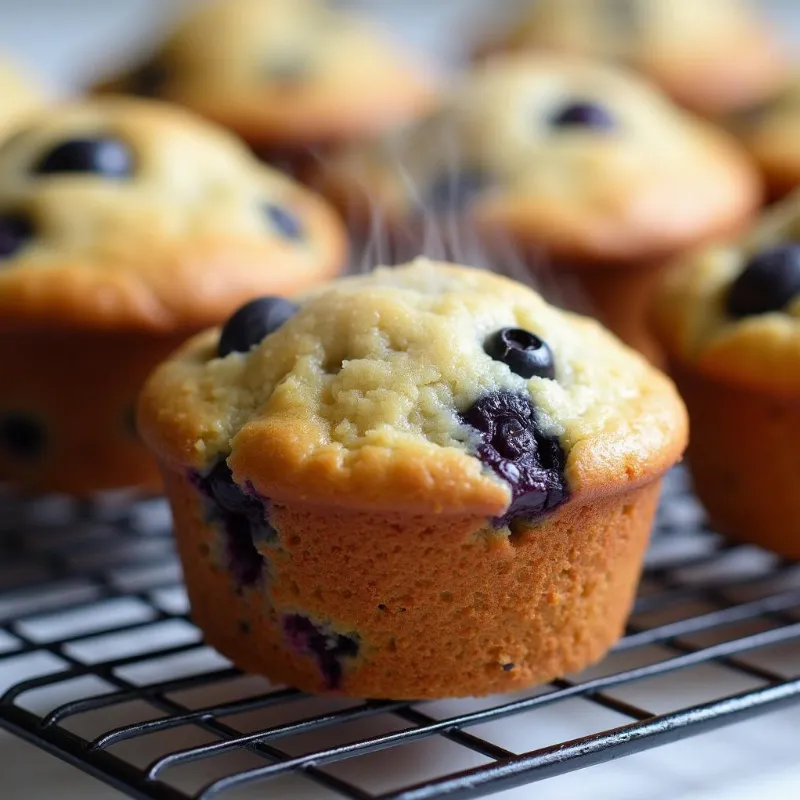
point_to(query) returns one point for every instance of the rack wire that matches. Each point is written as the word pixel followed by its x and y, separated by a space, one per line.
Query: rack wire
pixel 119 683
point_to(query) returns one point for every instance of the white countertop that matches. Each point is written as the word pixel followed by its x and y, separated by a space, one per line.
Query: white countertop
pixel 66 42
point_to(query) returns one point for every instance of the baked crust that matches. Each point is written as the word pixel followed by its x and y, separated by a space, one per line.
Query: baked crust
pixel 657 182
pixel 174 246
pixel 355 401
pixel 762 351
pixel 350 81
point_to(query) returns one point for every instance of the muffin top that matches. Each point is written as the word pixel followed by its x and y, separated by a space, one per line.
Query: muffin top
pixel 771 133
pixel 284 72
pixel 121 213
pixel 713 55
pixel 20 96
pixel 733 310
pixel 589 161
pixel 427 387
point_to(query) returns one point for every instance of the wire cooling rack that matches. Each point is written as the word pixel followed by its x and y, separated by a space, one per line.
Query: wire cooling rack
pixel 119 683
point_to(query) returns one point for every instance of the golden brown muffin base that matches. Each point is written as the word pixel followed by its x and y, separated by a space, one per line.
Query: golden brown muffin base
pixel 441 607
pixel 82 386
pixel 743 457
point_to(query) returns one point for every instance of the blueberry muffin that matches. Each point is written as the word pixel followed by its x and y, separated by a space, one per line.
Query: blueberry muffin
pixel 421 482
pixel 21 97
pixel 125 227
pixel 771 134
pixel 286 75
pixel 578 167
pixel 713 56
pixel 730 322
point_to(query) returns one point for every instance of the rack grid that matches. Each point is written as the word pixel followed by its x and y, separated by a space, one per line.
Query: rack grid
pixel 120 684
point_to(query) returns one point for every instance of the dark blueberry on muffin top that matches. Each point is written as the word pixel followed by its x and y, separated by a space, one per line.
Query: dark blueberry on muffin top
pixel 283 221
pixel 105 156
pixel 524 352
pixel 253 322
pixel 769 282
pixel 583 114
pixel 16 231
pixel 512 445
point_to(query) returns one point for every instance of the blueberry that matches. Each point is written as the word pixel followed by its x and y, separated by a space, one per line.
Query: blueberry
pixel 456 191
pixel 102 155
pixel 524 352
pixel 516 450
pixel 226 491
pixel 329 648
pixel 769 282
pixel 253 322
pixel 16 231
pixel 243 516
pixel 283 221
pixel 21 436
pixel 583 114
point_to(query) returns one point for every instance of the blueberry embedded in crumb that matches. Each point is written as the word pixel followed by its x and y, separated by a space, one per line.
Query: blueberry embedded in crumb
pixel 583 114
pixel 525 353
pixel 243 517
pixel 328 647
pixel 253 322
pixel 16 230
pixel 21 436
pixel 455 191
pixel 517 451
pixel 283 221
pixel 106 156
pixel 769 282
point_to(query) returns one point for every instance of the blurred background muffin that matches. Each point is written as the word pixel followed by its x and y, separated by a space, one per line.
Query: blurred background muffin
pixel 125 226
pixel 286 75
pixel 771 133
pixel 729 318
pixel 713 56
pixel 20 96
pixel 582 170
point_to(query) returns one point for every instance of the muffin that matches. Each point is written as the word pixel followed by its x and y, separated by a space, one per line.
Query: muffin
pixel 771 134
pixel 21 96
pixel 713 56
pixel 582 168
pixel 125 227
pixel 289 76
pixel 730 322
pixel 420 482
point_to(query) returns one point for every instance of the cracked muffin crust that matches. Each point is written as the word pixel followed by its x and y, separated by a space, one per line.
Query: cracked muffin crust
pixel 729 320
pixel 126 226
pixel 400 457
pixel 285 74
pixel 715 56
pixel 585 166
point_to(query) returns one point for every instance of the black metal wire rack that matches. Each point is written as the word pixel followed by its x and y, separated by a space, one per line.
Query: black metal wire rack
pixel 119 683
